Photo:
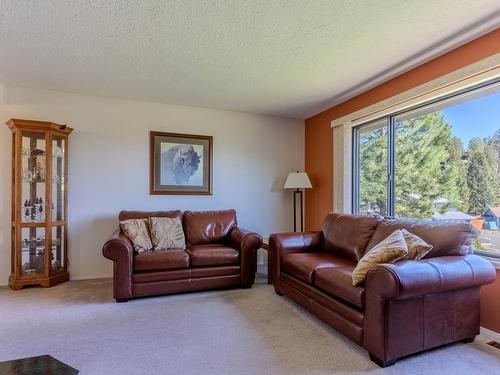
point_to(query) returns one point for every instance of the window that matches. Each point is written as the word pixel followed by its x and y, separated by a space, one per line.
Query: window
pixel 372 166
pixel 439 161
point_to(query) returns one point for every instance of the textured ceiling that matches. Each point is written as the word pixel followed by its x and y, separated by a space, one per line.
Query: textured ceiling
pixel 282 57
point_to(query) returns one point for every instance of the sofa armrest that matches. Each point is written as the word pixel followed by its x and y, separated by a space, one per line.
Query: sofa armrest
pixel 293 242
pixel 288 243
pixel 406 279
pixel 246 243
pixel 120 250
pixel 412 305
pixel 117 247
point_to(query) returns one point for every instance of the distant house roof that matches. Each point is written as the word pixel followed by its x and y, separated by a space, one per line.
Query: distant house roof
pixel 441 201
pixel 495 210
pixel 452 215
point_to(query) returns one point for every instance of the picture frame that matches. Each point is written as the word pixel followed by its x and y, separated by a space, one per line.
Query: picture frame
pixel 180 164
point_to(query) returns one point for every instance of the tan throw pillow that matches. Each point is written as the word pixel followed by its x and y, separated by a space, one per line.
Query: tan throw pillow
pixel 389 250
pixel 417 247
pixel 167 233
pixel 137 231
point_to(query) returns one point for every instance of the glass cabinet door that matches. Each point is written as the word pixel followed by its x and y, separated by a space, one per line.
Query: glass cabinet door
pixel 33 250
pixel 57 178
pixel 58 251
pixel 33 177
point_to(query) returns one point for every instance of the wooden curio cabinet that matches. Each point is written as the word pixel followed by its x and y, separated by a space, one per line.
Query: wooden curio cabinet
pixel 39 203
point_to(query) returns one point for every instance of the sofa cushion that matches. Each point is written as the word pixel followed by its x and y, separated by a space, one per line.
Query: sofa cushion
pixel 303 265
pixel 213 255
pixel 446 238
pixel 390 250
pixel 204 227
pixel 337 282
pixel 161 260
pixel 137 231
pixel 125 215
pixel 417 247
pixel 166 233
pixel 347 235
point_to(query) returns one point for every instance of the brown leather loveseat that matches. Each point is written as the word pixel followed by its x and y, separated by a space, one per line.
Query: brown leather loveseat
pixel 218 255
pixel 403 307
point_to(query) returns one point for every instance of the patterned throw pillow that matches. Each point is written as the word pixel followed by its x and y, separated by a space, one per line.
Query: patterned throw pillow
pixel 137 231
pixel 167 233
pixel 417 247
pixel 389 250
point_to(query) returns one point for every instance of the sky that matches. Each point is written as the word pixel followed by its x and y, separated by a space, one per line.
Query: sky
pixel 477 118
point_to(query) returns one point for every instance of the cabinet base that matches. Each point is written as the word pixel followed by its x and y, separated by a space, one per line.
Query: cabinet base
pixel 17 283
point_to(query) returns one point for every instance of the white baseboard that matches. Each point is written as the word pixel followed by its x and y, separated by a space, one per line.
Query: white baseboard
pixel 107 276
pixel 492 335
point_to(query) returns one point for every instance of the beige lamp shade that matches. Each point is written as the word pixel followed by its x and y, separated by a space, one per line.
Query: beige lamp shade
pixel 297 180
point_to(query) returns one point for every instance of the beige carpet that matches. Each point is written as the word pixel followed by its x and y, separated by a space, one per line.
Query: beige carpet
pixel 250 331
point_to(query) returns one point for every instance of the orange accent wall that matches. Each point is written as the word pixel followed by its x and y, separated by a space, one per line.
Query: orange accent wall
pixel 319 147
pixel 318 135
pixel 490 305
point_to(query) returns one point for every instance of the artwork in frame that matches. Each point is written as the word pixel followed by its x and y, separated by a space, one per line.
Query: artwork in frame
pixel 180 164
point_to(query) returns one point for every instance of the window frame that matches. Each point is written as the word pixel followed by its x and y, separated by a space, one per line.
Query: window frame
pixel 391 152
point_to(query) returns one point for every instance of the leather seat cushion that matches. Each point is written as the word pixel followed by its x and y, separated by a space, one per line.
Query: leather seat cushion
pixel 303 265
pixel 204 227
pixel 347 235
pixel 161 260
pixel 337 282
pixel 213 255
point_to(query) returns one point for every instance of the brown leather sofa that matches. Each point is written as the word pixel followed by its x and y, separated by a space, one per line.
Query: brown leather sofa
pixel 218 255
pixel 404 307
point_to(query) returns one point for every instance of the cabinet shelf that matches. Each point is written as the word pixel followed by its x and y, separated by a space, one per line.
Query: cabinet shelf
pixel 31 224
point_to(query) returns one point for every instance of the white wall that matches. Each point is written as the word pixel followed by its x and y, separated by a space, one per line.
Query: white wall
pixel 109 165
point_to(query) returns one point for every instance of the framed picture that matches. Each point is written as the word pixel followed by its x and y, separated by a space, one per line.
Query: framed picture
pixel 180 164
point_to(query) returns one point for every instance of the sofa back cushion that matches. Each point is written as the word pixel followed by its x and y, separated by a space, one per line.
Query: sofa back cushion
pixel 204 227
pixel 125 215
pixel 347 235
pixel 445 237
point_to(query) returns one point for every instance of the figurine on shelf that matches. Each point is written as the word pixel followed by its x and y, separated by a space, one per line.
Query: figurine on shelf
pixel 27 175
pixel 56 265
pixel 37 152
pixel 39 172
pixel 57 152
pixel 26 214
pixel 27 211
pixel 40 213
pixel 27 268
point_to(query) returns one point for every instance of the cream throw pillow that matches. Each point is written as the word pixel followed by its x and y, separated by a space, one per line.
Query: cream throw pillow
pixel 417 247
pixel 389 250
pixel 137 231
pixel 167 233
